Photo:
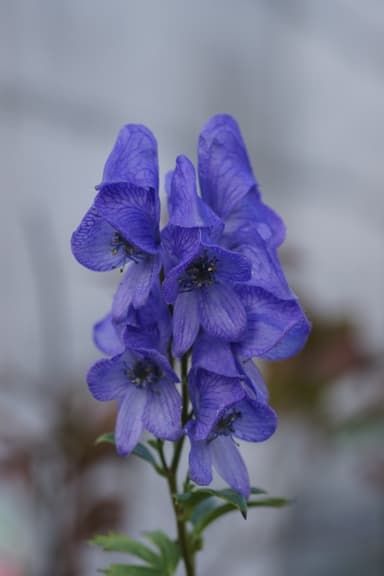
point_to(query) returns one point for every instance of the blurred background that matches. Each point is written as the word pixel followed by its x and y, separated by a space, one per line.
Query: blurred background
pixel 305 82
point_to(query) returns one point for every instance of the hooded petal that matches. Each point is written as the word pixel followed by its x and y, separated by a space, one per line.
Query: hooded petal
pixel 225 172
pixel 132 212
pixel 200 463
pixel 221 312
pixel 276 328
pixel 251 213
pixel 92 243
pixel 230 267
pixel 129 423
pixel 257 421
pixel 185 207
pixel 186 322
pixel 107 379
pixel 180 245
pixel 162 415
pixel 229 464
pixel 106 336
pixel 133 158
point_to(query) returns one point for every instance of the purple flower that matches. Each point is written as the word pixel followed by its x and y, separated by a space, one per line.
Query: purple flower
pixel 224 411
pixel 143 383
pixel 122 225
pixel 201 287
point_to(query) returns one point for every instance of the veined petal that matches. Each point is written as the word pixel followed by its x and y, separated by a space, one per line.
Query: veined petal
pixel 133 158
pixel 129 423
pixel 106 336
pixel 180 245
pixel 215 356
pixel 162 414
pixel 185 207
pixel 225 172
pixel 92 243
pixel 229 464
pixel 254 382
pixel 131 211
pixel 252 214
pixel 214 394
pixel 230 267
pixel 257 421
pixel 107 379
pixel 276 328
pixel 135 286
pixel 200 463
pixel 221 312
pixel 186 322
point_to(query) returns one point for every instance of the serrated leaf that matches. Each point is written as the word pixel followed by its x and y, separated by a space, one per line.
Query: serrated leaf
pixel 169 550
pixel 132 570
pixel 114 542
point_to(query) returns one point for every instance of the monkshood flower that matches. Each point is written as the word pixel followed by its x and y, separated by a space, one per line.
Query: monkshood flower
pixel 229 187
pixel 224 411
pixel 143 383
pixel 122 225
pixel 199 274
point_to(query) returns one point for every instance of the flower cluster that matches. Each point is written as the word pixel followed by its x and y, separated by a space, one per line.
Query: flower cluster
pixel 208 289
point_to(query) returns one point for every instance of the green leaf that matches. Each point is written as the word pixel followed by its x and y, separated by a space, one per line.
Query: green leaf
pixel 257 490
pixel 139 450
pixel 107 438
pixel 270 503
pixel 114 542
pixel 169 550
pixel 190 500
pixel 132 570
pixel 213 513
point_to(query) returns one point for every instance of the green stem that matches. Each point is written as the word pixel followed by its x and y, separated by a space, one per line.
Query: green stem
pixel 171 474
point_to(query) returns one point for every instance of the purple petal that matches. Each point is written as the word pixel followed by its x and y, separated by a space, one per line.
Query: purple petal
pixel 107 379
pixel 92 243
pixel 276 328
pixel 229 464
pixel 186 208
pixel 225 172
pixel 106 336
pixel 254 382
pixel 200 465
pixel 162 415
pixel 129 423
pixel 214 393
pixel 135 286
pixel 131 211
pixel 215 356
pixel 179 245
pixel 133 158
pixel 186 322
pixel 250 214
pixel 257 421
pixel 231 267
pixel 221 312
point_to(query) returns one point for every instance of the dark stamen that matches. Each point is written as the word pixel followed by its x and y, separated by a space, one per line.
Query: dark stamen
pixel 130 251
pixel 199 274
pixel 144 373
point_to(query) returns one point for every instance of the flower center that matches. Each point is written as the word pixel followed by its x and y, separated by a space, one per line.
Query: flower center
pixel 199 274
pixel 144 373
pixel 224 426
pixel 118 244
